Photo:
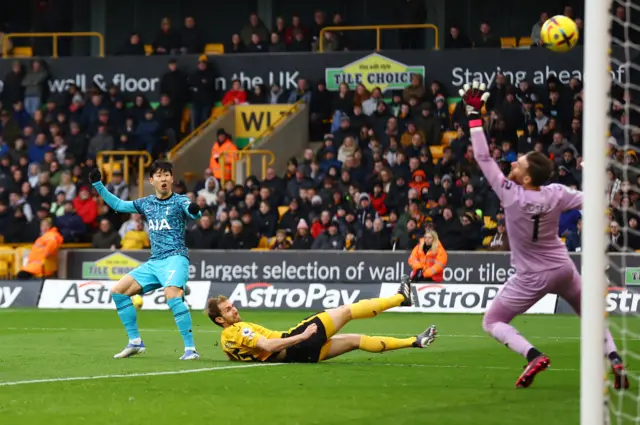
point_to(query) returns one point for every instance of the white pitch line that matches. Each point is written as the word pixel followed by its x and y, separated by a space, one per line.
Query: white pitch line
pixel 214 331
pixel 134 375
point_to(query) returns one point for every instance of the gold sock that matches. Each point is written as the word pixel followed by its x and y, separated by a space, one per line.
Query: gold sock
pixel 378 344
pixel 367 309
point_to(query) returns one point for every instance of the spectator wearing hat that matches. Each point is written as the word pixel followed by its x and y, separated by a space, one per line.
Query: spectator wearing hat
pixel 500 240
pixel 330 239
pixel 302 238
pixel 222 147
pixel 441 112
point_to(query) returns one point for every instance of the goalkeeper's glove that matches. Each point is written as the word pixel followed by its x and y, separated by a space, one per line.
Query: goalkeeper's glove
pixel 95 176
pixel 193 209
pixel 474 97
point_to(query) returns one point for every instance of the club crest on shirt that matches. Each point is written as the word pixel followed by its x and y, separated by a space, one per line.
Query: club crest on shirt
pixel 248 333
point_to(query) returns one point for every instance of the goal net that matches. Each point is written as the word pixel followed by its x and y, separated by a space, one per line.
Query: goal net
pixel 611 185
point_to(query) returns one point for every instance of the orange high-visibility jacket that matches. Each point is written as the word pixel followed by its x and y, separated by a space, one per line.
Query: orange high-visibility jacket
pixel 431 263
pixel 216 151
pixel 43 259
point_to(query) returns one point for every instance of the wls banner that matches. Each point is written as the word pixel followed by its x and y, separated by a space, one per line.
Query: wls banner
pixel 253 120
pixel 443 298
pixel 19 293
pixel 286 296
pixel 388 69
pixel 96 295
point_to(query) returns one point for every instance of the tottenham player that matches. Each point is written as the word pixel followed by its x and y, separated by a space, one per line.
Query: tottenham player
pixel 168 266
pixel 538 255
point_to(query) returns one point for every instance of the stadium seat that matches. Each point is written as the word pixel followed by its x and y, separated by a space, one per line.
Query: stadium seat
pixel 22 52
pixel 520 133
pixel 263 243
pixel 282 210
pixel 525 42
pixel 214 49
pixel 508 42
pixel 148 49
pixel 186 119
pixel 5 269
pixel 448 136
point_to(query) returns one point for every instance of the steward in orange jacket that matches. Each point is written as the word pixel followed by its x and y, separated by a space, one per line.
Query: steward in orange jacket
pixel 43 258
pixel 428 259
pixel 221 145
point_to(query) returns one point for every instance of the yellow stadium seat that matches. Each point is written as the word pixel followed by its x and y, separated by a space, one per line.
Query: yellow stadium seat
pixel 436 152
pixel 148 49
pixel 525 42
pixel 186 119
pixel 508 42
pixel 5 269
pixel 448 136
pixel 487 240
pixel 214 49
pixel 282 210
pixel 22 52
pixel 452 108
pixel 520 133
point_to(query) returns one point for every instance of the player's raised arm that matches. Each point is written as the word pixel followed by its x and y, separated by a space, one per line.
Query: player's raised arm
pixel 474 97
pixel 112 200
pixel 570 199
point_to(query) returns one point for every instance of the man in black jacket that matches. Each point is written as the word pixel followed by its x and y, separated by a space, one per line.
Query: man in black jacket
pixel 174 84
pixel 202 86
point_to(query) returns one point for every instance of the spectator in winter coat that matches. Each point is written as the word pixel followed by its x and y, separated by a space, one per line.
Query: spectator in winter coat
pixel 147 132
pixel 118 186
pixel 428 259
pixel 574 239
pixel 34 84
pixel 204 236
pixel 106 238
pixel 102 141
pixel 67 187
pixel 70 224
pixel 500 241
pixel 86 207
pixel 167 41
pixel 43 257
pixel 236 96
pixel 330 239
pixel 210 191
pixel 302 239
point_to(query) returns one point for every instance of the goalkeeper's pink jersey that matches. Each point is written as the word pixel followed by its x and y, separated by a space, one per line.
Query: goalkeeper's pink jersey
pixel 532 217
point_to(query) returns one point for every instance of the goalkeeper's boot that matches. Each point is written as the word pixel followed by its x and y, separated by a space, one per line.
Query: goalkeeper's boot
pixel 534 367
pixel 405 290
pixel 190 355
pixel 620 379
pixel 131 350
pixel 426 338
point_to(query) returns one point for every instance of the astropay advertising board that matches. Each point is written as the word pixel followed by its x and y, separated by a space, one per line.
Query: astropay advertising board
pixel 443 298
pixel 19 293
pixel 96 295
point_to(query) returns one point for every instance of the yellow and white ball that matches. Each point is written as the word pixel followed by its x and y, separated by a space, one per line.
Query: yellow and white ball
pixel 137 301
pixel 559 34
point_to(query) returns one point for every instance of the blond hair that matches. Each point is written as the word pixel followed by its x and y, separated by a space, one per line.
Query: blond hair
pixel 213 308
pixel 436 240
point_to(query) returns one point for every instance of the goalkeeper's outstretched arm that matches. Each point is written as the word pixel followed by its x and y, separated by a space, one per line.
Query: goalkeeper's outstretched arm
pixel 112 200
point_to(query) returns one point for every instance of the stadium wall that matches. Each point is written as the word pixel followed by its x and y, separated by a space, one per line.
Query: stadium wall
pixel 387 69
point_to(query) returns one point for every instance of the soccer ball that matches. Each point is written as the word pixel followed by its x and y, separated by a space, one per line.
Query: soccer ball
pixel 559 34
pixel 137 301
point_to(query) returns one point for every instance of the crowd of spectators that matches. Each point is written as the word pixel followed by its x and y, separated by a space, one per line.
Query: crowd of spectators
pixel 373 184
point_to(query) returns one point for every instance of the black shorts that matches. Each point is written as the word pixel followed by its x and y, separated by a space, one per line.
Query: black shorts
pixel 308 351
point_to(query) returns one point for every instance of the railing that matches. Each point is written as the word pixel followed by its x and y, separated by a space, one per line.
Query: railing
pixel 54 36
pixel 378 29
pixel 267 157
pixel 198 131
pixel 274 125
pixel 110 161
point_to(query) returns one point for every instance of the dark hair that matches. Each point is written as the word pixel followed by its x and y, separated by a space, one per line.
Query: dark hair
pixel 159 165
pixel 540 168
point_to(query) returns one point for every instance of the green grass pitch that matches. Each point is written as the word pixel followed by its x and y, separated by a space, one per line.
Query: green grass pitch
pixel 464 378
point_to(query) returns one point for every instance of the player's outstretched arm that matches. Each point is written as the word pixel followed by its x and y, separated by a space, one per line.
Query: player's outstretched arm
pixel 192 210
pixel 276 345
pixel 474 97
pixel 112 200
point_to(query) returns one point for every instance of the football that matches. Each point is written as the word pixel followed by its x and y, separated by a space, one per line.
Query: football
pixel 137 301
pixel 559 34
